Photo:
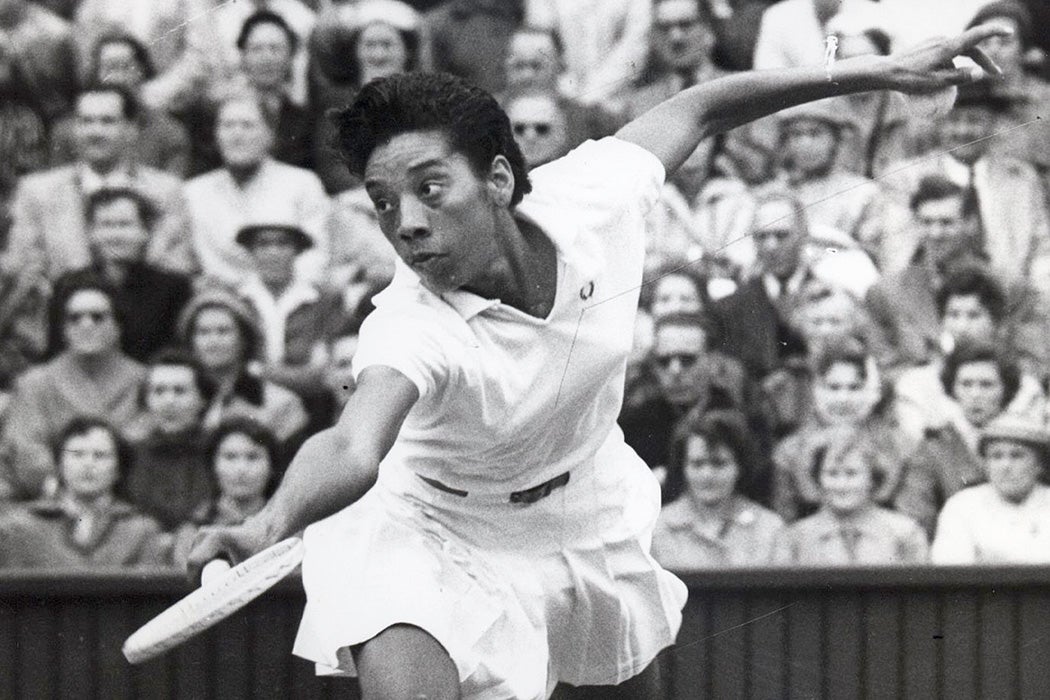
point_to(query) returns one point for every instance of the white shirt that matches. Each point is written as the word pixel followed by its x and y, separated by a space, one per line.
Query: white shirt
pixel 507 400
pixel 978 526
pixel 274 311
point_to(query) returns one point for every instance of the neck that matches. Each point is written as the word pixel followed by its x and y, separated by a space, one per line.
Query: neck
pixel 224 377
pixel 93 502
pixel 717 512
pixel 524 274
pixel 277 287
pixel 242 173
pixel 245 504
pixel 96 363
pixel 116 271
pixel 847 517
pixel 104 167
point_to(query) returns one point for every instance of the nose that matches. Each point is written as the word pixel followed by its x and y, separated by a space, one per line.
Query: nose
pixel 413 223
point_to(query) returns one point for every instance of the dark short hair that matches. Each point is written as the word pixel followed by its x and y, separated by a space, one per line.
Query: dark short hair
pixel 66 287
pixel 933 188
pixel 138 50
pixel 845 350
pixel 266 17
pixel 970 353
pixel 673 269
pixel 82 425
pixel 148 213
pixel 971 280
pixel 179 357
pixel 254 431
pixel 469 117
pixel 727 428
pixel 249 335
pixel 129 105
pixel 846 441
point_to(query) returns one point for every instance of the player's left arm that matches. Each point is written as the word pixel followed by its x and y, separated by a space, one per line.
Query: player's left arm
pixel 672 130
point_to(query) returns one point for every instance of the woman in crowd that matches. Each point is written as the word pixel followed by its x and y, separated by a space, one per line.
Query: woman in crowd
pixel 850 528
pixel 674 288
pixel 712 524
pixel 244 459
pixel 845 392
pixel 223 334
pixel 85 524
pixel 89 376
pixel 1007 520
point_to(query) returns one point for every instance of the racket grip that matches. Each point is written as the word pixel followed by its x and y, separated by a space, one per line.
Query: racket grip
pixel 214 571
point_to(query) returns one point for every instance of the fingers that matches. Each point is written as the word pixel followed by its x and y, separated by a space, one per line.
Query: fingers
pixel 978 56
pixel 975 35
pixel 207 545
pixel 957 76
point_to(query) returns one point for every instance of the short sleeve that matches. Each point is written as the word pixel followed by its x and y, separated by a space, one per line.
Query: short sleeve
pixel 404 342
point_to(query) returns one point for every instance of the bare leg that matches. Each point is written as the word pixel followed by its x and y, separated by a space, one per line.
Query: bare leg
pixel 405 663
pixel 647 685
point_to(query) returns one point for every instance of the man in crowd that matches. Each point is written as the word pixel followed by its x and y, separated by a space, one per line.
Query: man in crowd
pixel 49 233
pixel 42 42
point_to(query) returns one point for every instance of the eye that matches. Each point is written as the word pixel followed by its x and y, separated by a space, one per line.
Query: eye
pixel 382 206
pixel 430 189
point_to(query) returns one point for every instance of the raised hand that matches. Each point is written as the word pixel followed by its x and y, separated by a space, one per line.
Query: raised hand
pixel 930 66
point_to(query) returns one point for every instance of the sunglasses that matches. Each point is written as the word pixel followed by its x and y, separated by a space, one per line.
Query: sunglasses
pixel 95 317
pixel 541 128
pixel 685 359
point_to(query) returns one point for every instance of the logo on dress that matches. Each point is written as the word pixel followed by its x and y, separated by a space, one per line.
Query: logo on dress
pixel 587 291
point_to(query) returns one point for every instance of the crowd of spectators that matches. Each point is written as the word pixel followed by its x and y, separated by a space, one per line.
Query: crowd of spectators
pixel 842 353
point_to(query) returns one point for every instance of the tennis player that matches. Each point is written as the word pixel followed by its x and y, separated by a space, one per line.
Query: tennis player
pixel 475 525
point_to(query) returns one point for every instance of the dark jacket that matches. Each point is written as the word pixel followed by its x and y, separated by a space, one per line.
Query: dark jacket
pixel 170 477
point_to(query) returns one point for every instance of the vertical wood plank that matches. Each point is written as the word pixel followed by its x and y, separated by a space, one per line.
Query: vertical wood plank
pixel 998 634
pixel 9 677
pixel 961 632
pixel 882 644
pixel 844 642
pixel 691 668
pixel 232 665
pixel 38 648
pixel 1034 643
pixel 269 665
pixel 155 678
pixel 921 648
pixel 767 642
pixel 805 647
pixel 194 668
pixel 78 649
pixel 113 625
pixel 730 665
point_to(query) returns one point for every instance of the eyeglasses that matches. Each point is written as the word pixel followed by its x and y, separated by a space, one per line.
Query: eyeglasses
pixel 685 359
pixel 96 317
pixel 683 25
pixel 541 128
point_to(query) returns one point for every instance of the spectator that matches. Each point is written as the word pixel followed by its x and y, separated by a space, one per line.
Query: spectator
pixel 353 45
pixel 224 336
pixel 540 126
pixel 90 376
pixel 604 41
pixel 713 524
pixel 160 141
pixel 42 44
pixel 793 32
pixel 846 394
pixel 23 133
pixel 243 456
pixel 48 233
pixel 169 477
pixel 85 525
pixel 982 383
pixel 683 374
pixel 1007 520
pixel 149 298
pixel 252 186
pixel 298 319
pixel 850 529
pixel 469 38
pixel 23 330
pixel 361 257
pixel 676 289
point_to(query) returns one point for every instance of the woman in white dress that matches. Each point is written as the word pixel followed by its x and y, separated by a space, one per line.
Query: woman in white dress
pixel 477 526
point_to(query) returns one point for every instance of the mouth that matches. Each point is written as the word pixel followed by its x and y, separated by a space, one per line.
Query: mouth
pixel 422 258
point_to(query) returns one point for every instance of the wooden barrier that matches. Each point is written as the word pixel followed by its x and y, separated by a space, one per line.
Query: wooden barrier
pixel 869 633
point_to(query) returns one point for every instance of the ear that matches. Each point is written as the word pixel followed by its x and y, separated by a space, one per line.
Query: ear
pixel 500 181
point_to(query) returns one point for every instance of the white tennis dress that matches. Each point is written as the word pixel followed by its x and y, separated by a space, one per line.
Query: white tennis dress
pixel 521 595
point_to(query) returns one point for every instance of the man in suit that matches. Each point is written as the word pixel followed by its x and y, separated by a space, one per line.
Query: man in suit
pixel 49 233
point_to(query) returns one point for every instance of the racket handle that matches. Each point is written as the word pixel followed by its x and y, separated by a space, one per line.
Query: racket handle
pixel 213 571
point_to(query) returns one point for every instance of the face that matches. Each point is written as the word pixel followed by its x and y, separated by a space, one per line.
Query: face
pixel 711 471
pixel 243 136
pixel 117 65
pixel 340 373
pixel 979 391
pixel 965 130
pixel 1007 51
pixel 216 339
pixel 828 317
pixel 437 212
pixel 274 253
pixel 809 145
pixel 381 51
pixel 172 397
pixel 943 228
pixel 89 464
pixel 532 61
pixel 965 318
pixel 1013 468
pixel 676 357
pixel 117 231
pixel 840 394
pixel 89 325
pixel 846 483
pixel 680 38
pixel 539 128
pixel 242 467
pixel 675 294
pixel 267 57
pixel 100 129
pixel 778 238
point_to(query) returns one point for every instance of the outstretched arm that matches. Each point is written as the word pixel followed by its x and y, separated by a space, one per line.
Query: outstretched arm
pixel 673 129
pixel 330 471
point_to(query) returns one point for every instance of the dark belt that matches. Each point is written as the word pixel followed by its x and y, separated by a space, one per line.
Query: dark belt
pixel 536 493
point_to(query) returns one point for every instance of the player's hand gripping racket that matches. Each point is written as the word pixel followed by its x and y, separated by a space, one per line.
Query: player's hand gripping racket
pixel 223 592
